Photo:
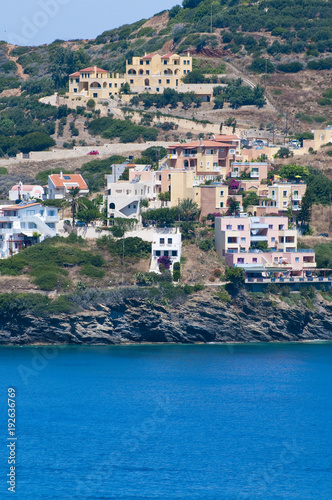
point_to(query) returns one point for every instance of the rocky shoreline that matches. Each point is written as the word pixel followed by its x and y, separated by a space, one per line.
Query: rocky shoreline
pixel 196 320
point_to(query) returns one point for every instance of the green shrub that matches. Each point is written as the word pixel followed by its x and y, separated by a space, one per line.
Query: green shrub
pixel 205 245
pixel 176 271
pixel 50 281
pixel 92 271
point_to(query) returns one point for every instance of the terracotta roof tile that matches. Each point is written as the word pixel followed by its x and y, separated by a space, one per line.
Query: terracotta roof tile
pixel 197 144
pixel 73 179
pixel 91 68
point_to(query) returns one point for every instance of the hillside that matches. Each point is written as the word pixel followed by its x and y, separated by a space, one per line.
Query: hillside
pixel 284 46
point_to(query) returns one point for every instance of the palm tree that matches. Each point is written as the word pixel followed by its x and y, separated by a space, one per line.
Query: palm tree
pixel 189 209
pixel 75 202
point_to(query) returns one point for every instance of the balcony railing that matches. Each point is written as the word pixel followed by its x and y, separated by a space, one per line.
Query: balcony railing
pixel 254 175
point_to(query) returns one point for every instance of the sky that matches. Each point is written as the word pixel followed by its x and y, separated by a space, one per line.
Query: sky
pixel 35 22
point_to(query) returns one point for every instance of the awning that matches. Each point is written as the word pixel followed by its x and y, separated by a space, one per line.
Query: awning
pixel 27 233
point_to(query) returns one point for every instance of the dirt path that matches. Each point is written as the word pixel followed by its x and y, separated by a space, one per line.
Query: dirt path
pixel 19 67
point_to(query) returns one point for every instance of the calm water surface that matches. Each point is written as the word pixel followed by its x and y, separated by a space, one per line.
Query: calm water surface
pixel 170 422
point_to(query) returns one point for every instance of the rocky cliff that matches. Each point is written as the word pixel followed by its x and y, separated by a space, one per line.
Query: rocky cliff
pixel 198 319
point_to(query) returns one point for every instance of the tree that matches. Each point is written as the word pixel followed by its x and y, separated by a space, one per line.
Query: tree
pixel 91 103
pixel 293 171
pixel 125 88
pixel 189 210
pixel 236 276
pixel 306 207
pixel 283 152
pixel 233 206
pixel 74 201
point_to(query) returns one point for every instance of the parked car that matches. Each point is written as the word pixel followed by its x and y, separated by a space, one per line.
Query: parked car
pixel 93 152
pixel 81 223
pixel 324 234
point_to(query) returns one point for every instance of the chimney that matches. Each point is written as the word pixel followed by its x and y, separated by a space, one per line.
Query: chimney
pixel 61 174
pixel 201 141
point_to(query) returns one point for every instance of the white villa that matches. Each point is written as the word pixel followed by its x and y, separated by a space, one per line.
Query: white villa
pixel 26 192
pixel 59 185
pixel 166 241
pixel 23 224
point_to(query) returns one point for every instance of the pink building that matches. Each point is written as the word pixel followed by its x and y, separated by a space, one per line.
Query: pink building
pixel 241 241
pixel 255 171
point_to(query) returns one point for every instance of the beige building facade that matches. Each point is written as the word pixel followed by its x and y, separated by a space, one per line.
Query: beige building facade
pixel 151 72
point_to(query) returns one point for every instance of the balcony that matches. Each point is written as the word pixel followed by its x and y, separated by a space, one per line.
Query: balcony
pixel 235 174
pixel 296 197
pixel 259 238
pixel 254 175
pixel 189 155
pixel 172 157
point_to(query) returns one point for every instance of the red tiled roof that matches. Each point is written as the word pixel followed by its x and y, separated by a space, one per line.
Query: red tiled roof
pixel 26 187
pixel 75 74
pixel 197 144
pixel 149 56
pixel 223 137
pixel 74 178
pixel 167 56
pixel 99 70
pixel 18 207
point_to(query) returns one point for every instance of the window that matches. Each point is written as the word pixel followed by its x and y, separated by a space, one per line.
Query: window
pixel 296 193
pixel 169 241
pixel 115 85
pixel 51 213
pixel 284 194
pixel 166 253
pixel 232 151
pixel 75 90
pixel 157 253
pixel 243 240
pixel 167 81
pixel 281 227
pixel 297 259
pixel 147 63
pixel 141 63
pixel 273 193
pixel 221 204
pixel 22 225
pixel 276 259
pixel 270 226
pixel 284 203
pixel 110 85
pixel 159 81
pixel 134 206
pixel 254 260
pixel 174 253
pixel 215 164
pixel 184 62
pixel 31 225
pixel 221 193
pixel 165 62
pixel 66 177
pixel 273 239
pixel 221 150
pixel 240 260
pixel 147 72
pixel 188 62
pixel 229 227
pixel 131 81
pixel 77 80
pixel 162 241
pixel 95 94
pixel 169 177
pixel 240 228
pixel 31 212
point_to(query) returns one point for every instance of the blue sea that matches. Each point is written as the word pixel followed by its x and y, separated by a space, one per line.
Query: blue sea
pixel 171 422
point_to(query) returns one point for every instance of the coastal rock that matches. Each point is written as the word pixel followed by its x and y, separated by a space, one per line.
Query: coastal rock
pixel 194 321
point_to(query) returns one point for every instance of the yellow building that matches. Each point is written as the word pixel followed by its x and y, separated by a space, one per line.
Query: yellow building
pixel 153 72
pixel 157 71
pixel 284 195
